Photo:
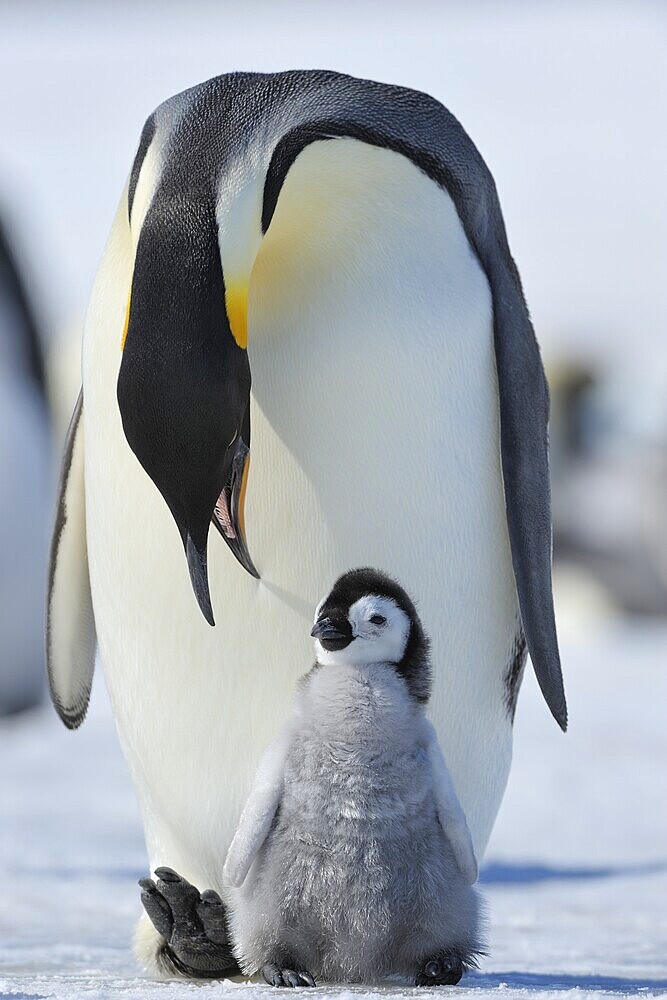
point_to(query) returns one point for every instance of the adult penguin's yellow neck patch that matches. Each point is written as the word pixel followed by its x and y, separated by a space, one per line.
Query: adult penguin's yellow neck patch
pixel 236 302
pixel 127 322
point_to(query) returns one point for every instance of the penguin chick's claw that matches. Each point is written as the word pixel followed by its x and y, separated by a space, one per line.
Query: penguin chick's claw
pixel 194 926
pixel 446 970
pixel 275 976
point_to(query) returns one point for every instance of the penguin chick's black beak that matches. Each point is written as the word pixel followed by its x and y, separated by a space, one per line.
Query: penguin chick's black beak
pixel 332 634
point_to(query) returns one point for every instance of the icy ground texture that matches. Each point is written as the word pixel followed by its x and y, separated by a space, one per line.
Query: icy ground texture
pixel 575 877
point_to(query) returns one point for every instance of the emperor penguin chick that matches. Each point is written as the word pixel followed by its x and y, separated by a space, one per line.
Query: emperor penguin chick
pixel 353 859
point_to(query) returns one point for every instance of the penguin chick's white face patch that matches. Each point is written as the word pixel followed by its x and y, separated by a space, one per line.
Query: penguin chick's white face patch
pixel 380 630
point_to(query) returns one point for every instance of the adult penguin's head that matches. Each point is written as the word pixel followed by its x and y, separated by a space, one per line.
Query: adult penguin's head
pixel 184 382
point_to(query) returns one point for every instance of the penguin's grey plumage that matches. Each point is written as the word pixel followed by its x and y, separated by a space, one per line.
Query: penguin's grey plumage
pixel 353 856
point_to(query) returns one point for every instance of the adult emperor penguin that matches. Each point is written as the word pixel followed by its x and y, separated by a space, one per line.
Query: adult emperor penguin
pixel 342 241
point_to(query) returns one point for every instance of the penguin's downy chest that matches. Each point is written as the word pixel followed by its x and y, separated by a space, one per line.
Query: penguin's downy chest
pixel 357 802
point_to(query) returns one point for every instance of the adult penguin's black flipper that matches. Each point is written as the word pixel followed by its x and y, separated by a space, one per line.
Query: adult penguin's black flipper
pixel 524 418
pixel 439 146
pixel 70 623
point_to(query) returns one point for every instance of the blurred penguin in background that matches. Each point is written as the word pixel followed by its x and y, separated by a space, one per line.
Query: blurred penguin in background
pixel 25 496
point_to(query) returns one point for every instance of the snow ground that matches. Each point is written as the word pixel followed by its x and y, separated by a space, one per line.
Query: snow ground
pixel 575 878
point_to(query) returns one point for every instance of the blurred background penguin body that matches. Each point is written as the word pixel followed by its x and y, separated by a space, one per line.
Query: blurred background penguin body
pixel 348 235
pixel 25 452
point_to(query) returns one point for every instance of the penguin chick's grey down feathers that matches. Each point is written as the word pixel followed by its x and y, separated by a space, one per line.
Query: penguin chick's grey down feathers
pixel 353 859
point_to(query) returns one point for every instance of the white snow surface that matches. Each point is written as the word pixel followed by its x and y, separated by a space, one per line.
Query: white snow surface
pixel 575 878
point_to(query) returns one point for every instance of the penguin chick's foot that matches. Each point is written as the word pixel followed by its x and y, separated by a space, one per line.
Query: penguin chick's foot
pixel 444 970
pixel 275 975
pixel 194 926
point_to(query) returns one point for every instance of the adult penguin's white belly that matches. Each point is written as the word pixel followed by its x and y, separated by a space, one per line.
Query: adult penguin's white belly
pixel 375 442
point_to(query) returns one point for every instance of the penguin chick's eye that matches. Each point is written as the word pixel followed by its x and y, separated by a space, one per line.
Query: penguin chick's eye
pixel 378 619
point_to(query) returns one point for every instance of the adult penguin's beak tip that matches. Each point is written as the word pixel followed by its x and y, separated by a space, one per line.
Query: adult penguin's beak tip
pixel 197 565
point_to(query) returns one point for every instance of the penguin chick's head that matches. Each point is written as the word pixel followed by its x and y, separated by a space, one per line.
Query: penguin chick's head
pixel 368 618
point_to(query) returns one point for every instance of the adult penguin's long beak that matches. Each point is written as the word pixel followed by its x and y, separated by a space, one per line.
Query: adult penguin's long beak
pixel 198 567
pixel 228 518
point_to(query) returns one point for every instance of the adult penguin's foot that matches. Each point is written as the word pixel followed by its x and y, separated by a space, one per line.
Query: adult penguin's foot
pixel 276 975
pixel 443 970
pixel 193 924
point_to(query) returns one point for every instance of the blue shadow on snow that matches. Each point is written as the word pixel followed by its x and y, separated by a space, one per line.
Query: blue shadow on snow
pixel 556 981
pixel 501 873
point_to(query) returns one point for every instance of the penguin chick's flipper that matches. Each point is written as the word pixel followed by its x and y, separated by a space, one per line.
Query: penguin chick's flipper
pixel 445 969
pixel 193 924
pixel 276 975
pixel 450 813
pixel 259 810
pixel 70 623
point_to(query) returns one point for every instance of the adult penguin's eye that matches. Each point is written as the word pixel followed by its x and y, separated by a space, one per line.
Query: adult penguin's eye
pixel 378 619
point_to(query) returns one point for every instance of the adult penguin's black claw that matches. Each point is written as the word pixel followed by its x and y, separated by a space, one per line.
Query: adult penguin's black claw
pixel 193 925
pixel 157 907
